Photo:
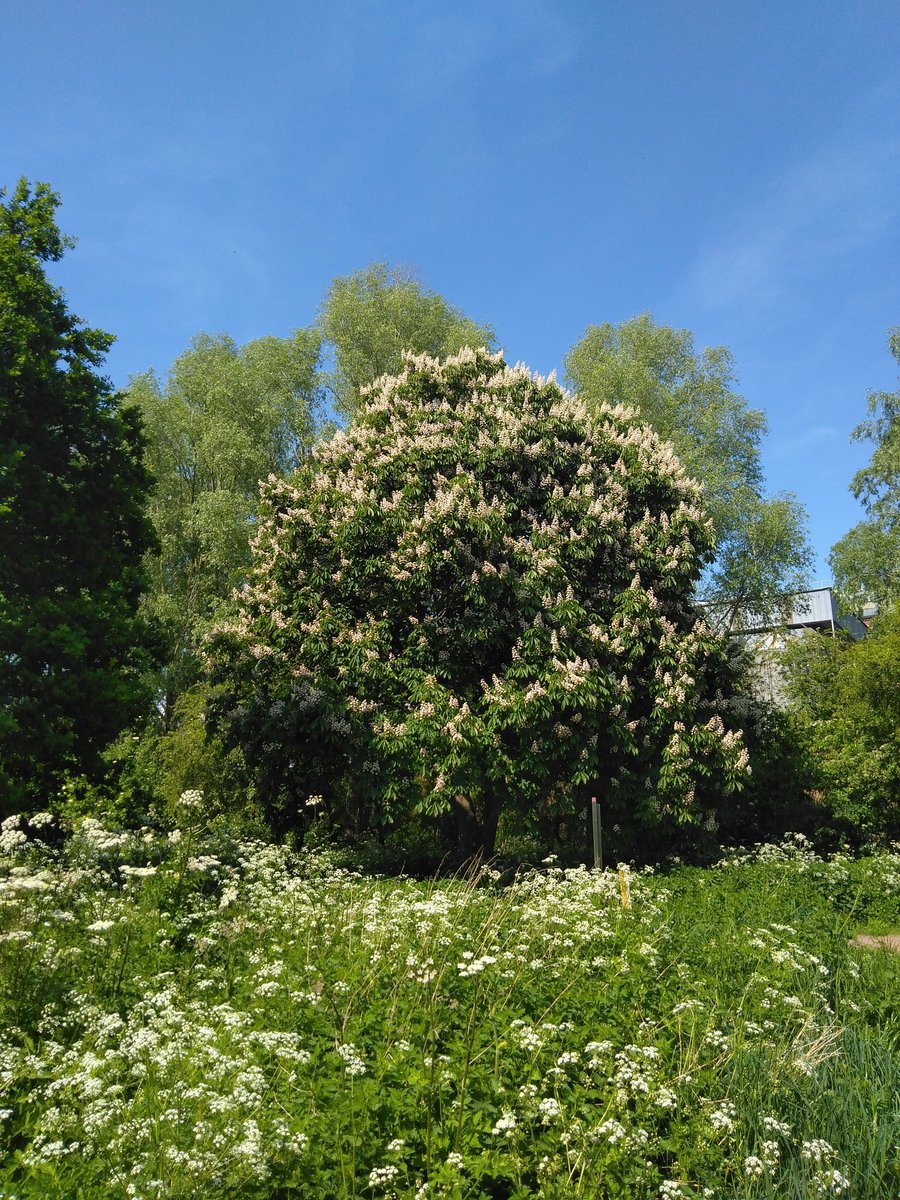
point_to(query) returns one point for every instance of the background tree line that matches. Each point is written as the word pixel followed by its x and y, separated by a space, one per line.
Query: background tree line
pixel 174 468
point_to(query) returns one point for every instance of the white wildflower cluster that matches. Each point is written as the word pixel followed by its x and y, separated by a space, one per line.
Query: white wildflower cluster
pixel 794 849
pixel 671 1189
pixel 212 1067
pixel 688 1006
pixel 100 926
pixel 98 1089
pixel 95 840
pixel 610 1130
pixel 628 1137
pixel 13 837
pixel 470 965
pixel 722 1116
pixel 635 1073
pixel 597 1054
pixel 770 1153
pixel 831 1182
pixel 772 1125
pixel 382 1177
pixel 715 1039
pixel 526 1036
pixel 505 1126
pixel 130 872
pixel 754 1166
pixel 203 862
pixel 354 1064
pixel 783 951
pixel 422 972
pixel 817 1151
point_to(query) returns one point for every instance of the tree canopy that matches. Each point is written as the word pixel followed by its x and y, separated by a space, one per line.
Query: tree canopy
pixel 478 598
pixel 72 524
pixel 866 561
pixel 370 318
pixel 762 553
pixel 225 419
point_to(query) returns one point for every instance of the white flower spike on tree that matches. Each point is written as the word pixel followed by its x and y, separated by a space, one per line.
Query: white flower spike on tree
pixel 477 598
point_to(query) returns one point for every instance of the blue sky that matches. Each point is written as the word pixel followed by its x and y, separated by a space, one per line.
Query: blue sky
pixel 732 167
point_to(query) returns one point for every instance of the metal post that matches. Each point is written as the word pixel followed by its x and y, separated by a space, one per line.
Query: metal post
pixel 598 833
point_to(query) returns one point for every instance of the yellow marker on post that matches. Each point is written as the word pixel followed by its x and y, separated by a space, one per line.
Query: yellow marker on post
pixel 624 889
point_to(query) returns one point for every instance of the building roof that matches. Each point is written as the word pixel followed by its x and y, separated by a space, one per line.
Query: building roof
pixel 815 609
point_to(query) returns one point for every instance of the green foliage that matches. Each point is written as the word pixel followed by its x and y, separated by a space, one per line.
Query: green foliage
pixel 866 565
pixel 761 565
pixel 193 1014
pixel 226 418
pixel 72 525
pixel 847 699
pixel 866 561
pixel 477 599
pixel 688 398
pixel 780 797
pixel 373 316
pixel 187 756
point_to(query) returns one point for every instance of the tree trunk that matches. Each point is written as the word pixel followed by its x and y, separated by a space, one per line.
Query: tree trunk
pixel 475 836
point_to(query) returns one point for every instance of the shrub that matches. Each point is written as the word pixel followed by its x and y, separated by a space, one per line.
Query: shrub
pixel 846 698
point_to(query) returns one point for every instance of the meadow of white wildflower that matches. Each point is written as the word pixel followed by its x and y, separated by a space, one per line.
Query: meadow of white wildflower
pixel 187 1016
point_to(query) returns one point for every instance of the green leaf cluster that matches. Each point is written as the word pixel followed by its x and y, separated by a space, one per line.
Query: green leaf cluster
pixel 762 552
pixel 73 526
pixel 866 561
pixel 225 419
pixel 372 317
pixel 846 696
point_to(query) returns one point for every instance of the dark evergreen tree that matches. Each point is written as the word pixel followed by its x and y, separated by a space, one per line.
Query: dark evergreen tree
pixel 72 526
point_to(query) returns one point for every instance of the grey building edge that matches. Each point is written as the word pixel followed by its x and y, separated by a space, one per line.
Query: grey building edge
pixel 815 610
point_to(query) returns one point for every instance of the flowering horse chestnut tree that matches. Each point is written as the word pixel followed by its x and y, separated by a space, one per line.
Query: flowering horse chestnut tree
pixel 476 599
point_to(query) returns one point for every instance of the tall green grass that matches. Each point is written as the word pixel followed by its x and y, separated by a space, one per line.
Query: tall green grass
pixel 183 1016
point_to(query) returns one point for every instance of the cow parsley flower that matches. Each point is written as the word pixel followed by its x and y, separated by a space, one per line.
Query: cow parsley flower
pixel 506 1126
pixel 816 1151
pixel 353 1063
pixel 831 1183
pixel 380 1177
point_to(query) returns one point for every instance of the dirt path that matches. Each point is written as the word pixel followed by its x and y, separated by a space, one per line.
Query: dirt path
pixel 887 941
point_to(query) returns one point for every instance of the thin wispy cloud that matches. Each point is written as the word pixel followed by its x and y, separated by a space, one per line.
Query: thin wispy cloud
pixel 812 222
pixel 818 436
pixel 529 38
